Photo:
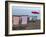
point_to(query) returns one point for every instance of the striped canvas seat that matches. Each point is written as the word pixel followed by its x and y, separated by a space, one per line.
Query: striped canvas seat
pixel 15 20
pixel 24 20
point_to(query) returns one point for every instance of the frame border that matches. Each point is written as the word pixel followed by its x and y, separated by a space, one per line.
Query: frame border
pixel 6 18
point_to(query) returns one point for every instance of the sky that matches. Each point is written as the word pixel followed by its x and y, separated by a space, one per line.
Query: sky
pixel 21 10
